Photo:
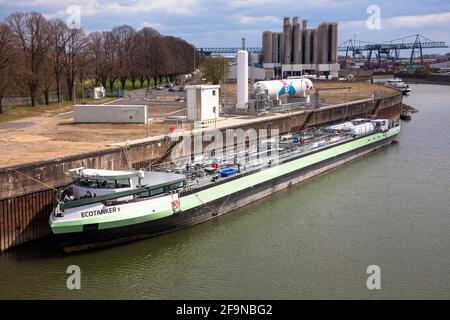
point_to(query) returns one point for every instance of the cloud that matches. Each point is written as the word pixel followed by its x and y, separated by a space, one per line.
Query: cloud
pixel 419 21
pixel 104 7
pixel 291 4
pixel 403 22
pixel 225 22
pixel 156 26
pixel 259 20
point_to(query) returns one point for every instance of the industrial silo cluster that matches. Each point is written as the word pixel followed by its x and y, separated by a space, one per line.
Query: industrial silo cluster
pixel 298 49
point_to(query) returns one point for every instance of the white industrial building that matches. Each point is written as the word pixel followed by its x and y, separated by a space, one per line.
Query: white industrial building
pixel 110 114
pixel 254 73
pixel 299 50
pixel 202 102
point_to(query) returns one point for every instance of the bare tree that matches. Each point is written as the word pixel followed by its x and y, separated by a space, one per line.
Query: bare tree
pixel 7 62
pixel 215 68
pixel 96 57
pixel 52 48
pixel 158 58
pixel 74 57
pixel 45 81
pixel 31 31
pixel 110 58
pixel 125 46
pixel 58 37
pixel 144 40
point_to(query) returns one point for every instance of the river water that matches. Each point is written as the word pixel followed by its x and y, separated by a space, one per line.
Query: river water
pixel 312 241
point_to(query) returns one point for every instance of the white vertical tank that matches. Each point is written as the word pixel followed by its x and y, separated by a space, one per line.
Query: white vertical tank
pixel 242 80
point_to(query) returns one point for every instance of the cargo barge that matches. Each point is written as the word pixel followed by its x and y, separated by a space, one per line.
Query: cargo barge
pixel 105 207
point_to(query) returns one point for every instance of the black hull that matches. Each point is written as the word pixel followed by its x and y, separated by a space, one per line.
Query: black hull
pixel 89 239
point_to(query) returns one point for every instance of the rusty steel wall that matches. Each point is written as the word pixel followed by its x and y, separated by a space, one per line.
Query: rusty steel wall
pixel 25 218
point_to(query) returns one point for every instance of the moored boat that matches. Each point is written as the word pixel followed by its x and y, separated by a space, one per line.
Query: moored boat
pixel 399 85
pixel 103 207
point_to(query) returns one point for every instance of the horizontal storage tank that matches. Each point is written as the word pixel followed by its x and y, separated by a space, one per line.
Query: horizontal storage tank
pixel 291 87
pixel 363 129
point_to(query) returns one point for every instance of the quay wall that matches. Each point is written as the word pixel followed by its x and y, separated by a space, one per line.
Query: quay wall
pixel 25 204
pixel 443 79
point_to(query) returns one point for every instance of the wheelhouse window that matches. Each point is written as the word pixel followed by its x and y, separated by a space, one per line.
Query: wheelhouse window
pixel 123 183
pixel 103 184
pixel 176 186
pixel 108 184
pixel 156 192
pixel 151 193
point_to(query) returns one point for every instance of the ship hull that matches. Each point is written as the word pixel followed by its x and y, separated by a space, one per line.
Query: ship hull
pixel 91 238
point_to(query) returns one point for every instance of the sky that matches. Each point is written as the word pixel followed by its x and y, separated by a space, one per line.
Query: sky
pixel 222 23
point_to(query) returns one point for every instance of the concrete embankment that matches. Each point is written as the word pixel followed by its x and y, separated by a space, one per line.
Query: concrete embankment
pixel 26 203
pixel 443 79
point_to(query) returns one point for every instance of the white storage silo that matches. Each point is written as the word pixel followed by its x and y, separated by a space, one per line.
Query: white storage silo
pixel 242 80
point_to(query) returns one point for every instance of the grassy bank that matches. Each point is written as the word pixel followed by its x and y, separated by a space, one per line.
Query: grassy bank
pixel 11 113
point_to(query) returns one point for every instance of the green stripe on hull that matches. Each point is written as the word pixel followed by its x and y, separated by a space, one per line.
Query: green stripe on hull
pixel 216 192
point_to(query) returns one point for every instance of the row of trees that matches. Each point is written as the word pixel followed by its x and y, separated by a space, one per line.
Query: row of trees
pixel 40 56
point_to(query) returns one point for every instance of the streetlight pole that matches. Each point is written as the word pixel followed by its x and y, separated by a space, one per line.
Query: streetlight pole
pixel 195 68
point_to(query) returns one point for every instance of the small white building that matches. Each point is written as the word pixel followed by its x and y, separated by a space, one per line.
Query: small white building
pixel 99 93
pixel 254 73
pixel 202 102
pixel 110 113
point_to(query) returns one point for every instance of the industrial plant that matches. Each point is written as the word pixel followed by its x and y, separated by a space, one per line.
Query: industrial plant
pixel 299 50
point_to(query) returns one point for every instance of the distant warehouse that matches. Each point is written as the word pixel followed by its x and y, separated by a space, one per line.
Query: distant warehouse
pixel 299 50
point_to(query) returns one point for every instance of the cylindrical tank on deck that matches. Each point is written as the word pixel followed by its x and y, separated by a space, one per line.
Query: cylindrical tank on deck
pixel 346 126
pixel 291 87
pixel 363 129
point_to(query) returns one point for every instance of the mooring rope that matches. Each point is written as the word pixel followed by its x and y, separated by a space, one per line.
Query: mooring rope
pixel 31 178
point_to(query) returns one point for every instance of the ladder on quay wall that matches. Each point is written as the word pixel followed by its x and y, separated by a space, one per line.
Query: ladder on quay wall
pixel 127 156
pixel 305 122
